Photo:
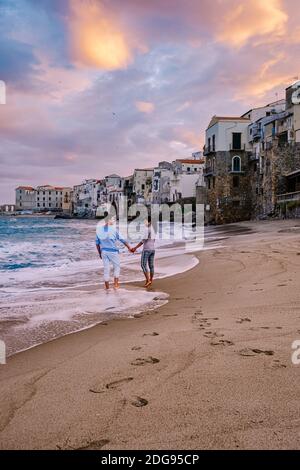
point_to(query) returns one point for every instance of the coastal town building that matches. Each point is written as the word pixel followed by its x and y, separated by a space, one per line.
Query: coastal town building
pixel 142 185
pixel 7 208
pixel 128 190
pixel 25 198
pixel 176 181
pixel 226 170
pixel 53 198
pixel 87 196
pixel 43 198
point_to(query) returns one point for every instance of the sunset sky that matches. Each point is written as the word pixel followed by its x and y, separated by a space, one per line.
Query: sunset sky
pixel 102 86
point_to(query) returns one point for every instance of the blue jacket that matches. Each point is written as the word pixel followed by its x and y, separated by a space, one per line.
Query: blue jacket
pixel 106 237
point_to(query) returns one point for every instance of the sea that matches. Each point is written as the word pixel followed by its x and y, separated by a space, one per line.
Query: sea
pixel 51 278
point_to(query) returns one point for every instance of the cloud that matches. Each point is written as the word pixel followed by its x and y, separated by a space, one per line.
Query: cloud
pixel 145 106
pixel 252 18
pixel 97 39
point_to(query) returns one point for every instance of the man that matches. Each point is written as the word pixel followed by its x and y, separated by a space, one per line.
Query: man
pixel 148 253
pixel 106 243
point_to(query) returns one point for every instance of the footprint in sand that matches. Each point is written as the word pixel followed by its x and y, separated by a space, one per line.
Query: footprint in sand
pixel 242 320
pixel 151 334
pixel 94 445
pixel 139 402
pixel 141 361
pixel 110 386
pixel 254 352
pixel 136 348
pixel 278 365
pixel 222 342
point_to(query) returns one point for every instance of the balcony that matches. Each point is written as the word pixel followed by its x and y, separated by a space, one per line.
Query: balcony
pixel 208 150
pixel 253 157
pixel 234 149
pixel 208 171
pixel 287 197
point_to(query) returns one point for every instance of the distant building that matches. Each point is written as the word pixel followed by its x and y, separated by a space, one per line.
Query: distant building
pixel 43 198
pixel 128 190
pixel 87 196
pixel 142 185
pixel 53 198
pixel 25 198
pixel 7 208
pixel 161 191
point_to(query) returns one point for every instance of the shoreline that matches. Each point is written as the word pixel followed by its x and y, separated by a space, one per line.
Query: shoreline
pixel 193 360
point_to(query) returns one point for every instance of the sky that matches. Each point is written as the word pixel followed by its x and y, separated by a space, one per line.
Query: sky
pixel 95 87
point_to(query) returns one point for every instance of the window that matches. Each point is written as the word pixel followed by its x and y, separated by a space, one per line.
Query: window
pixel 188 169
pixel 49 204
pixel 143 187
pixel 195 169
pixel 214 182
pixel 38 198
pixel 20 203
pixel 38 204
pixel 213 164
pixel 236 164
pixel 43 199
pixel 235 203
pixel 213 143
pixel 209 183
pixel 236 140
pixel 236 181
pixel 208 144
pixel 44 192
pixel 43 204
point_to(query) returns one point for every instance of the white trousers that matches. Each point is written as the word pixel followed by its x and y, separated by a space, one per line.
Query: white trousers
pixel 108 258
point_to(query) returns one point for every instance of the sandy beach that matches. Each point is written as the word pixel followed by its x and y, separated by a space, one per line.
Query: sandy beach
pixel 211 369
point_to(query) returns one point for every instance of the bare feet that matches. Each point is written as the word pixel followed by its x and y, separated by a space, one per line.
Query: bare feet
pixel 148 284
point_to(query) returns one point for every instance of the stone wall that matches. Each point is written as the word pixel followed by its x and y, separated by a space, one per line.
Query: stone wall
pixel 227 202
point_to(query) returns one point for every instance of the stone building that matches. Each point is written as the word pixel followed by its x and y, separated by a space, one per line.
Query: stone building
pixel 275 141
pixel 142 185
pixel 53 198
pixel 25 198
pixel 88 196
pixel 227 170
pixel 161 183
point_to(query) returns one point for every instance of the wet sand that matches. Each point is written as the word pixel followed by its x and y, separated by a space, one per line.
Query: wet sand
pixel 211 369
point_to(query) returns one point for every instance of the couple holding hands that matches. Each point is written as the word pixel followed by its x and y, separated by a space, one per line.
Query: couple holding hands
pixel 107 237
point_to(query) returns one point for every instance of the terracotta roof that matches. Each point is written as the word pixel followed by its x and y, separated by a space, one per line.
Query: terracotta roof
pixel 189 160
pixel 216 119
pixel 30 188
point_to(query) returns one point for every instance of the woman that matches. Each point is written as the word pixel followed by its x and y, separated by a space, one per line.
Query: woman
pixel 148 253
